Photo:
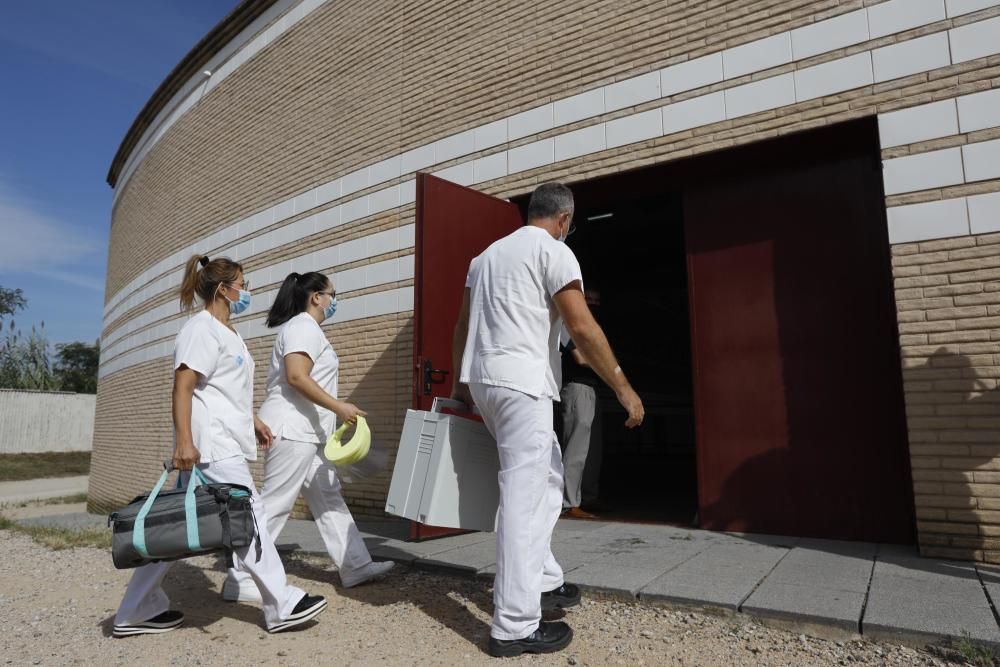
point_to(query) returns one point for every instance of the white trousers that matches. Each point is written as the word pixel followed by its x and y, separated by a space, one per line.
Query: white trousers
pixel 292 467
pixel 145 597
pixel 531 484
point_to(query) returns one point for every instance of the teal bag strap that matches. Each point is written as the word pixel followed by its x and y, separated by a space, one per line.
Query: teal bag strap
pixel 139 530
pixel 191 509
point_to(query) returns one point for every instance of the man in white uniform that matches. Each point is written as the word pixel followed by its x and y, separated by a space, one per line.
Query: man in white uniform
pixel 506 343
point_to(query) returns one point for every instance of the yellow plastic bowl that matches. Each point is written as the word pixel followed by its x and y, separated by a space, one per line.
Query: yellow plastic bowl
pixel 356 449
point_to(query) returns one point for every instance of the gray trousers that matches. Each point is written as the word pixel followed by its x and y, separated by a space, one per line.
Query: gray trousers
pixel 581 444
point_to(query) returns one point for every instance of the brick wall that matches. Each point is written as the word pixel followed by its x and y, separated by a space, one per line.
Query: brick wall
pixel 948 296
pixel 353 83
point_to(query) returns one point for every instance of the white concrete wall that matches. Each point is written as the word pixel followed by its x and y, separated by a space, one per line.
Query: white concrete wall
pixel 41 421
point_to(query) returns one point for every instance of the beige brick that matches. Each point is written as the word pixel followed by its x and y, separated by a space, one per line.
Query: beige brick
pixel 955 476
pixel 946 528
pixel 974 336
pixel 974 516
pixel 926 327
pixel 953 290
pixel 960 498
pixel 967 312
pixel 225 159
pixel 922 281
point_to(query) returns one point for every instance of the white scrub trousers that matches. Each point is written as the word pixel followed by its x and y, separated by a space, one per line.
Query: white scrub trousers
pixel 294 466
pixel 145 597
pixel 531 487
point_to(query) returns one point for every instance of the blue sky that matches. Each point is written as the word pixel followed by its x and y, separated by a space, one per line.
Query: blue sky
pixel 73 76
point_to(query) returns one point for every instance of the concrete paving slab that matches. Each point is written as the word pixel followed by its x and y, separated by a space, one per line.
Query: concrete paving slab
pixel 645 556
pixel 408 552
pixel 920 599
pixel 721 576
pixel 571 555
pixel 397 529
pixel 468 559
pixel 615 535
pixel 618 581
pixel 990 576
pixel 578 526
pixel 12 493
pixel 769 540
pixel 820 581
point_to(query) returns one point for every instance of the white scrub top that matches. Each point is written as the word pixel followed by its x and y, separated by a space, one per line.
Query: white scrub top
pixel 290 414
pixel 222 405
pixel 514 324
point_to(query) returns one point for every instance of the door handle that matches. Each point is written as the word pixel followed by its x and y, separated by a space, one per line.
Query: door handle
pixel 432 376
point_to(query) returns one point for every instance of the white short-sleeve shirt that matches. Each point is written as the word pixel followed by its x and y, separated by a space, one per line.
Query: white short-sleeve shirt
pixel 286 411
pixel 222 405
pixel 514 324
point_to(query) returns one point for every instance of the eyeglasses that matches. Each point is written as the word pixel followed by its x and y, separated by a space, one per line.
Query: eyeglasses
pixel 244 286
pixel 572 228
pixel 332 293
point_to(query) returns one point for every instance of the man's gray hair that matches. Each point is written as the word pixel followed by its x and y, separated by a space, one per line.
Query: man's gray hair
pixel 549 200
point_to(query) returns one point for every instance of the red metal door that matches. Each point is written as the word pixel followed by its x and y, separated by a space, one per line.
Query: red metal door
pixel 798 391
pixel 453 225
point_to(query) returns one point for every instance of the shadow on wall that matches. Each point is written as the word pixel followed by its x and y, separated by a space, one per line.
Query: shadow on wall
pixel 954 413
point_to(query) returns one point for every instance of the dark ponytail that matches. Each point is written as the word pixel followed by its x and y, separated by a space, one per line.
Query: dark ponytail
pixel 294 295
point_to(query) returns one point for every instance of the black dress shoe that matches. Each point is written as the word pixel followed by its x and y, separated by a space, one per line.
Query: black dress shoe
pixel 564 597
pixel 548 638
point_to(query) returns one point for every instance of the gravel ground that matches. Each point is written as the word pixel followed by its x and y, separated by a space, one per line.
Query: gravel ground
pixel 57 608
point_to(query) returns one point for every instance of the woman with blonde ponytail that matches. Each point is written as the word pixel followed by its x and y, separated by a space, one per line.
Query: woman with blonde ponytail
pixel 215 429
pixel 302 406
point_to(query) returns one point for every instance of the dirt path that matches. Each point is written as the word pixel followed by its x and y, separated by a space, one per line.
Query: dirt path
pixel 57 608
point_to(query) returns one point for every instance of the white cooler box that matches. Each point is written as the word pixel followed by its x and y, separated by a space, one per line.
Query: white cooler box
pixel 446 471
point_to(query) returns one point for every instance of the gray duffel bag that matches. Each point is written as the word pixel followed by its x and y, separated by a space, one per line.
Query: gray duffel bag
pixel 182 522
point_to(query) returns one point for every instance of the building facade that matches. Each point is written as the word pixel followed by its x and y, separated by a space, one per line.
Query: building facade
pixel 292 136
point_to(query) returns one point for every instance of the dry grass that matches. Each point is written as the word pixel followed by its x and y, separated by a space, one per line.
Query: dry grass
pixel 18 467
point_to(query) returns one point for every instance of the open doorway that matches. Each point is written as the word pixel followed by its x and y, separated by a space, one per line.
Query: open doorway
pixel 632 253
pixel 748 294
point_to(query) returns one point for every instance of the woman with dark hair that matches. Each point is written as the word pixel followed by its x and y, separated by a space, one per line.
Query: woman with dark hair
pixel 215 429
pixel 302 407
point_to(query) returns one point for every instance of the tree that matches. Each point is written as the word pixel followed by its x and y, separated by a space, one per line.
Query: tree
pixel 76 366
pixel 11 300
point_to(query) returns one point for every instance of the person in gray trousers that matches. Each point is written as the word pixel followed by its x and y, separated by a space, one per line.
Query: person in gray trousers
pixel 581 427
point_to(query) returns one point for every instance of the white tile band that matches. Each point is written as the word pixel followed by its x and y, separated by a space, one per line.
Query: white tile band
pixel 781 90
pixel 822 36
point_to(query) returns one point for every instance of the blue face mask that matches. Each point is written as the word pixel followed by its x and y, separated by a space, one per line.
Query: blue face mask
pixel 239 306
pixel 331 309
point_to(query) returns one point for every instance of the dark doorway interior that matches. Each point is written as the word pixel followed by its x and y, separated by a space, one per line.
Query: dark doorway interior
pixel 748 296
pixel 632 251
pixel 630 243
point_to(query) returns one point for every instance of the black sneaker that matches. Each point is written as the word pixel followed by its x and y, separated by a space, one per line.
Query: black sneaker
pixel 165 622
pixel 308 608
pixel 564 597
pixel 548 638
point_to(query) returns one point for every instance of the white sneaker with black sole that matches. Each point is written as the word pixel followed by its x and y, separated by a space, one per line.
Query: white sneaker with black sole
pixel 165 622
pixel 369 572
pixel 308 608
